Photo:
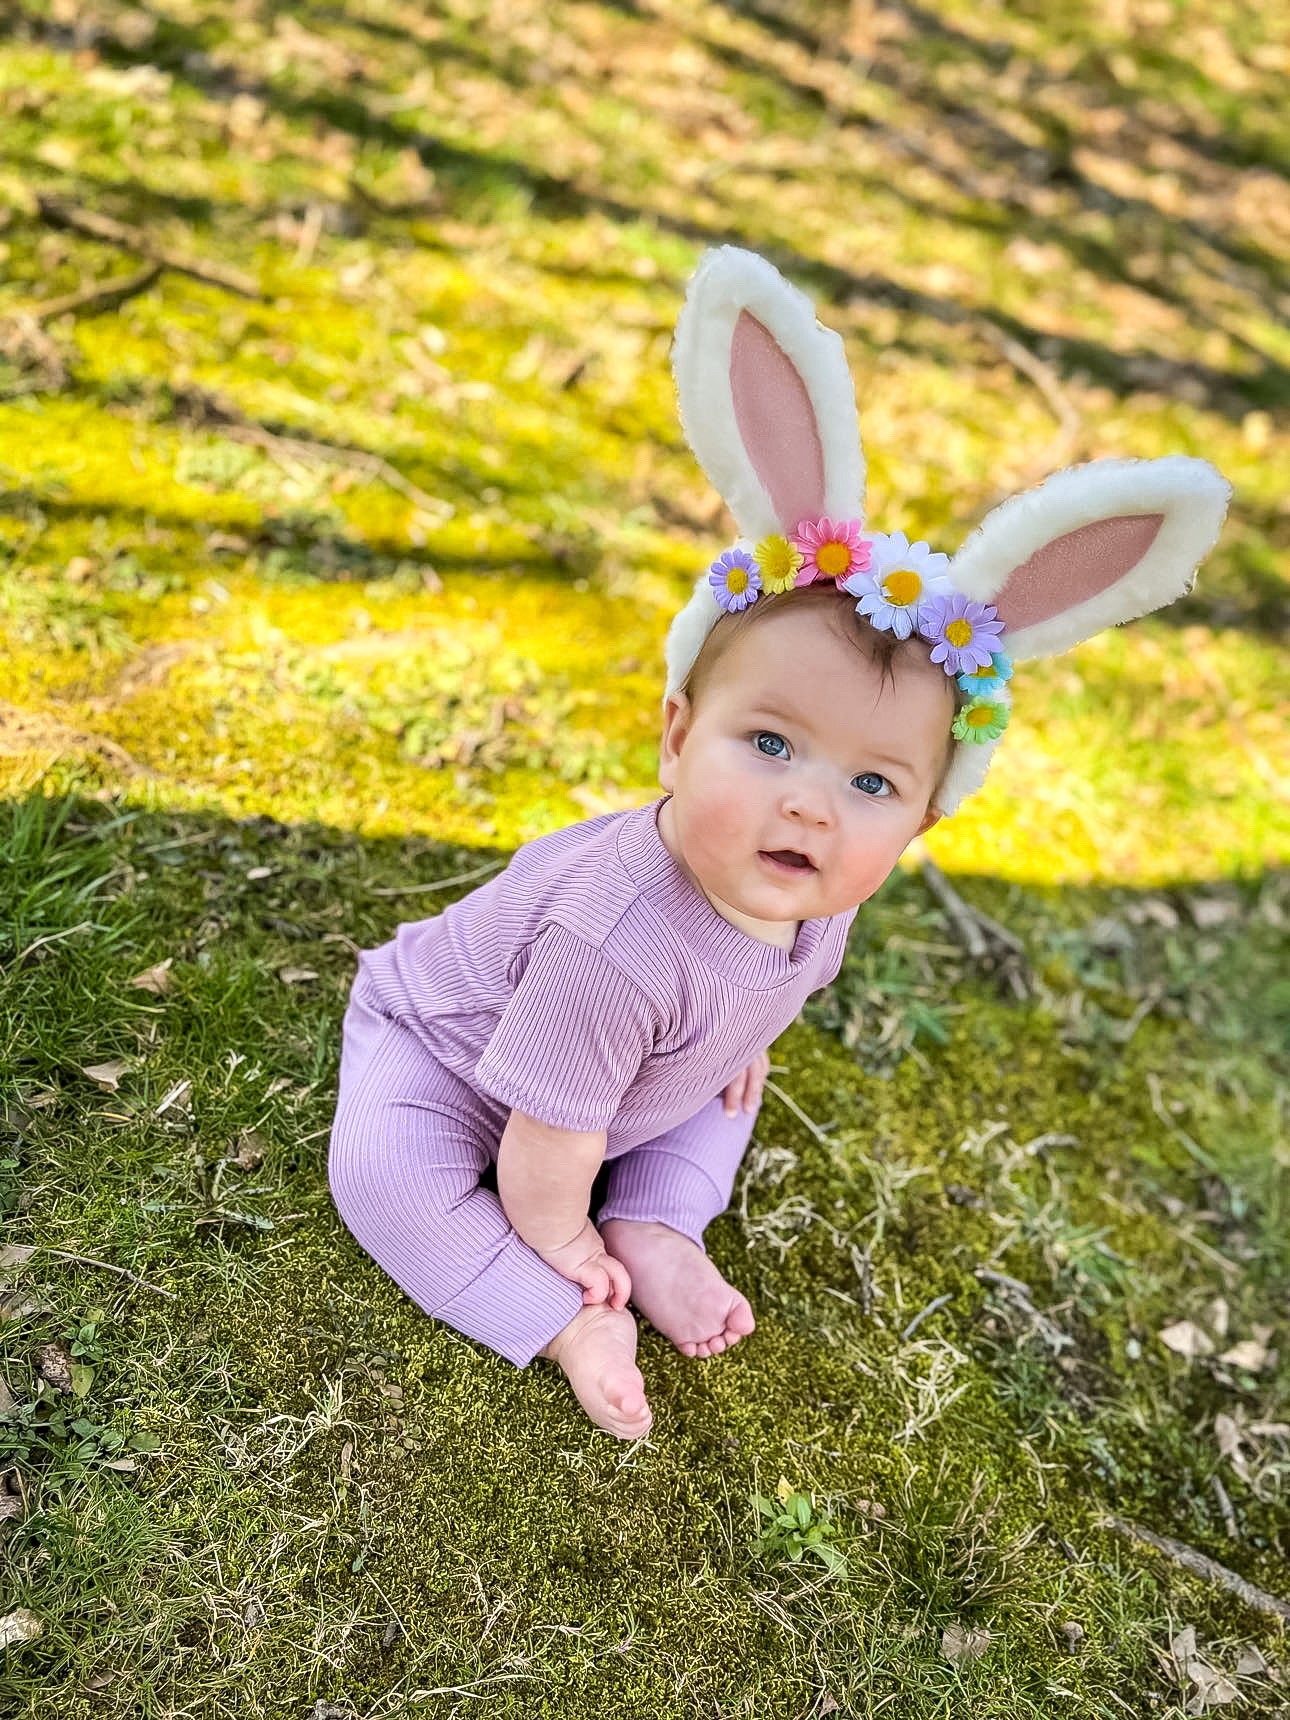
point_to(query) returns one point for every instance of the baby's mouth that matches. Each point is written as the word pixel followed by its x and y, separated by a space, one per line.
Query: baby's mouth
pixel 788 858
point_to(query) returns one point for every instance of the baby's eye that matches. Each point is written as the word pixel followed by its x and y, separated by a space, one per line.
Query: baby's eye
pixel 870 782
pixel 766 741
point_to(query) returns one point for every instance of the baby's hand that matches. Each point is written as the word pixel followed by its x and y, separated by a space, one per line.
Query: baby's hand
pixel 585 1262
pixel 747 1085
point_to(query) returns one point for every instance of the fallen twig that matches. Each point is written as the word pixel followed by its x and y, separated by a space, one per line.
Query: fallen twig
pixel 441 883
pixel 205 409
pixel 932 1306
pixel 105 296
pixel 56 213
pixel 1005 1283
pixel 1058 451
pixel 986 941
pixel 860 1259
pixel 105 1266
pixel 798 1112
pixel 1225 1506
pixel 1201 1565
pixel 1183 1139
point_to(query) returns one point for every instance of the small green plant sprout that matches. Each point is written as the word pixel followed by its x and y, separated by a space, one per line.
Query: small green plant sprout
pixel 792 1525
pixel 85 1350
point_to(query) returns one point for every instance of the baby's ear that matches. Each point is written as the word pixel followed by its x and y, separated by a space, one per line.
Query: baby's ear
pixel 677 716
pixel 766 398
pixel 1092 546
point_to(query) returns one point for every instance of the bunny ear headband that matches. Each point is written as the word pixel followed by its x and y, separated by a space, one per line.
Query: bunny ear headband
pixel 768 406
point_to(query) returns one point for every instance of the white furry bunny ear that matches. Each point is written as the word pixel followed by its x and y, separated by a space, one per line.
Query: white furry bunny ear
pixel 766 398
pixel 1090 547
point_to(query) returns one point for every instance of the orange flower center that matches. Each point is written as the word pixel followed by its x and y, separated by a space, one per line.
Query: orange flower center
pixel 959 633
pixel 833 559
pixel 902 587
pixel 737 581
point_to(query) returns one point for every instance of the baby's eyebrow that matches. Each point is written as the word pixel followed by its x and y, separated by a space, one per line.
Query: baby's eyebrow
pixel 782 711
pixel 892 761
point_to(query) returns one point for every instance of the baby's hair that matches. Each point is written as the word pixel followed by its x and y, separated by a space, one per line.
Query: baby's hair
pixel 888 654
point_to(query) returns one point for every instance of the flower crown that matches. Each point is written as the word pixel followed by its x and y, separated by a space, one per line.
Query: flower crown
pixel 902 589
pixel 768 406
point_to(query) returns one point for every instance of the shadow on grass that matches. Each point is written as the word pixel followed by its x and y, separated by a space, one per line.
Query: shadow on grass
pixel 316 1462
pixel 476 176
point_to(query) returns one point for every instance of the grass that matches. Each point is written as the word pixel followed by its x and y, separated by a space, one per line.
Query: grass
pixel 255 689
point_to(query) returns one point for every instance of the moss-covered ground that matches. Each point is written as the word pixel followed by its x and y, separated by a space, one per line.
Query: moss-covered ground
pixel 317 601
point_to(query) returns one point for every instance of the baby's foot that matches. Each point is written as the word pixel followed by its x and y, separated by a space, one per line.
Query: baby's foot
pixel 677 1287
pixel 597 1350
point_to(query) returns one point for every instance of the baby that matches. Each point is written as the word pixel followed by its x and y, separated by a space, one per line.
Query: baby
pixel 608 999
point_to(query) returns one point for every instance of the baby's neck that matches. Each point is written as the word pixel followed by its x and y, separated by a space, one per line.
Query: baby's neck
pixel 781 935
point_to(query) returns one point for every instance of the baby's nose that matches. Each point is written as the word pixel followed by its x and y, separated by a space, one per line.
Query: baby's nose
pixel 810 807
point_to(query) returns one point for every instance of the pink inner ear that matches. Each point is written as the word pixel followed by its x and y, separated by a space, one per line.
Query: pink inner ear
pixel 1074 567
pixel 776 422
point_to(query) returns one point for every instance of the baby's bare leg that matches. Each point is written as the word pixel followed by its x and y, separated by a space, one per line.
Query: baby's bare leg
pixel 597 1351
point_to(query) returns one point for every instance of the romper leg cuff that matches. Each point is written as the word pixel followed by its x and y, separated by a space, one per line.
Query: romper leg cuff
pixel 648 1185
pixel 516 1305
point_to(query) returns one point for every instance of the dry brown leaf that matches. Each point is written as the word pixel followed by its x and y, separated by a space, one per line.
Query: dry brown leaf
pixel 1251 1664
pixel 1210 911
pixel 19 1306
pixel 1228 1435
pixel 1249 1355
pixel 1183 1649
pixel 250 1150
pixel 16 1254
pixel 1217 1317
pixel 178 1095
pixel 276 1085
pixel 20 1626
pixel 961 1647
pixel 1214 1689
pixel 10 1507
pixel 154 979
pixel 107 1075
pixel 1186 1338
pixel 296 975
pixel 54 1363
pixel 7 1399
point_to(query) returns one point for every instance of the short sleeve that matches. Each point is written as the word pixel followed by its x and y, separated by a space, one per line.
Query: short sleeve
pixel 572 1037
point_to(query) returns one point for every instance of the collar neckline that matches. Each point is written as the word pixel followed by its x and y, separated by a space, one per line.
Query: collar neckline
pixel 736 954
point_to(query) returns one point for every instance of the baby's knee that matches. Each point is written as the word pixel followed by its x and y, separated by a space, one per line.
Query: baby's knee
pixel 379 1177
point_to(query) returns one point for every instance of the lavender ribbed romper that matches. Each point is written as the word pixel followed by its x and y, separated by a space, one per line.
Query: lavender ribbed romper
pixel 591 985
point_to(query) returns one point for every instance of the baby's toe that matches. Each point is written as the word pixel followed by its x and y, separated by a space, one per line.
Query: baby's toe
pixel 740 1321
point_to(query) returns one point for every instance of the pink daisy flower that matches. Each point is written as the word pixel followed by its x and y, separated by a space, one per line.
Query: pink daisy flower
pixel 830 549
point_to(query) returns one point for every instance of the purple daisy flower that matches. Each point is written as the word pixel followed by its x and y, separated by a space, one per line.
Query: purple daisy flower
pixel 964 634
pixel 734 579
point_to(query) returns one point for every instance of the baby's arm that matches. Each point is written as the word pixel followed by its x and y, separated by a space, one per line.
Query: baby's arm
pixel 544 1178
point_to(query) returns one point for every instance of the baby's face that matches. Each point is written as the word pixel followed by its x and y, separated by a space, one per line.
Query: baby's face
pixel 799 776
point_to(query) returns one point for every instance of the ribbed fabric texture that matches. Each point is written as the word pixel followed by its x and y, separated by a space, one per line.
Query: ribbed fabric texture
pixel 591 985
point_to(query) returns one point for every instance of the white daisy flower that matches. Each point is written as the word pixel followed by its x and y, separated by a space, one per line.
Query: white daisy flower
pixel 900 576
